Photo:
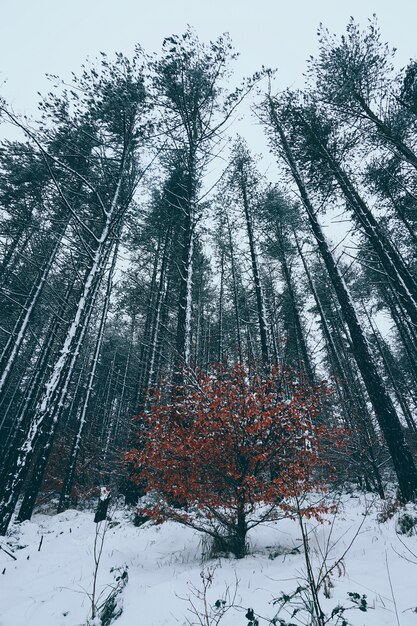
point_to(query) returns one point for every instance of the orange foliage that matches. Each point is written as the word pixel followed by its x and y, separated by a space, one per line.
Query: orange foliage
pixel 230 442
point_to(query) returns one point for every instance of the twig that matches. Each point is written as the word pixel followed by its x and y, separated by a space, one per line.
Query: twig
pixel 392 590
pixel 8 553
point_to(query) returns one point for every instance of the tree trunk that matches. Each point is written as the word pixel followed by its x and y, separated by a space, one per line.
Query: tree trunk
pixel 263 325
pixel 183 339
pixel 241 532
pixel 356 416
pixel 305 358
pixel 50 424
pixel 52 386
pixel 65 497
pixel 235 292
pixel 401 280
pixel 220 348
pixel 12 347
pixel 384 409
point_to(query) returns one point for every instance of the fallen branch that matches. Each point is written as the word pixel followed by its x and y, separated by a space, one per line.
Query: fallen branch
pixel 8 553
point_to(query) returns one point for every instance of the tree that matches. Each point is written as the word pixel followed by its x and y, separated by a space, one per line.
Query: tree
pixel 354 77
pixel 382 404
pixel 233 451
pixel 245 180
pixel 195 110
pixel 282 219
pixel 343 369
pixel 116 105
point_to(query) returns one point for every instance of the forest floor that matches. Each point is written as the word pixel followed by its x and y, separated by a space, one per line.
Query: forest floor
pixel 50 586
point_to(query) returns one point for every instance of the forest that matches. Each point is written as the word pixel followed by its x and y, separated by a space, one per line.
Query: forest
pixel 215 337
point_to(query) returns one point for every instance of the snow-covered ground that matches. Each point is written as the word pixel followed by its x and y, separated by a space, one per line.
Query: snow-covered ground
pixel 50 586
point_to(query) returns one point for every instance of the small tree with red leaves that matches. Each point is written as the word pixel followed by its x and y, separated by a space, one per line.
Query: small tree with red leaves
pixel 232 450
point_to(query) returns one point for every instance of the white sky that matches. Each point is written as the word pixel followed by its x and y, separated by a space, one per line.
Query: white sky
pixel 56 36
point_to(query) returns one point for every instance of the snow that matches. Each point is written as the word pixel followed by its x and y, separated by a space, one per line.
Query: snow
pixel 104 493
pixel 50 587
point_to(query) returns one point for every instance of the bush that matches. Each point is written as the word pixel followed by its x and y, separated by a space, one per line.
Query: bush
pixel 389 507
pixel 406 524
pixel 233 450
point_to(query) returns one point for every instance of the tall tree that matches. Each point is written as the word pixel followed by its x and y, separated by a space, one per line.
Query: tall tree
pixel 384 409
pixel 281 218
pixel 244 180
pixel 115 103
pixel 188 87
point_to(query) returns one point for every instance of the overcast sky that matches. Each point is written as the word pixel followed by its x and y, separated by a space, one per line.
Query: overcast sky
pixel 56 36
